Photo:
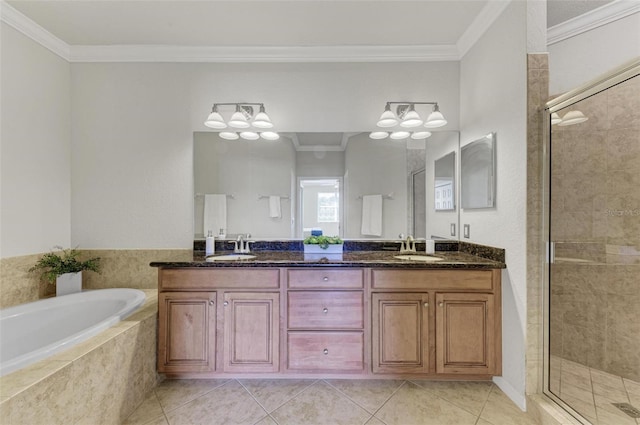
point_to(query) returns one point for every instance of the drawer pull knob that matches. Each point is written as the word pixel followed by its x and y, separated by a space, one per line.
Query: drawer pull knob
pixel 326 278
pixel 325 351
pixel 426 305
pixel 441 304
pixel 211 302
pixel 325 310
pixel 226 303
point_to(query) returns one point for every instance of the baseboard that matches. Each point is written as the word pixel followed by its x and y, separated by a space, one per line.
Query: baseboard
pixel 515 396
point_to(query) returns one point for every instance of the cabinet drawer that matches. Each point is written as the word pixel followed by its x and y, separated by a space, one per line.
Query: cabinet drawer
pixel 326 309
pixel 326 351
pixel 325 278
pixel 207 278
pixel 433 279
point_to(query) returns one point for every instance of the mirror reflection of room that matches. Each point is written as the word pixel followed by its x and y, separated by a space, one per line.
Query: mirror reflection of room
pixel 320 181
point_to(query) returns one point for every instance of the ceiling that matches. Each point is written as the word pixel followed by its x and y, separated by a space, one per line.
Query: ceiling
pixel 254 23
pixel 263 23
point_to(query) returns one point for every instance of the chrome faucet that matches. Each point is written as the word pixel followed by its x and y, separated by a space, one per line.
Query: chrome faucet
pixel 241 244
pixel 408 245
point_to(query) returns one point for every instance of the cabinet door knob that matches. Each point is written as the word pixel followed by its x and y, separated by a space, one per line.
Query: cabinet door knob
pixel 325 351
pixel 211 302
pixel 426 305
pixel 226 303
pixel 441 304
pixel 326 278
pixel 325 310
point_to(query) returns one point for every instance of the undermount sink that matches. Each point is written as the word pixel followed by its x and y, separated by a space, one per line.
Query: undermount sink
pixel 417 258
pixel 230 257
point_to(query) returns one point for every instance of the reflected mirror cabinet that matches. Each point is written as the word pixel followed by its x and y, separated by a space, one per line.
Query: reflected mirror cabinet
pixel 282 189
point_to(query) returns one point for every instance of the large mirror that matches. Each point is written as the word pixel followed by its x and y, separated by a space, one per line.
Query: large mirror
pixel 345 184
pixel 478 172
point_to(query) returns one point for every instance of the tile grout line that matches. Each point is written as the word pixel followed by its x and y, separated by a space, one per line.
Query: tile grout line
pixel 362 407
pixel 164 415
pixel 455 404
pixel 256 400
pixel 404 382
pixel 192 399
pixel 493 387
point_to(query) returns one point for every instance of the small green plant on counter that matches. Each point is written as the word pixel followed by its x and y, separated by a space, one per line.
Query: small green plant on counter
pixel 54 264
pixel 323 241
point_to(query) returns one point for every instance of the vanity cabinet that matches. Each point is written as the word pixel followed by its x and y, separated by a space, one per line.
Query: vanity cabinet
pixel 442 322
pixel 465 333
pixel 400 332
pixel 217 321
pixel 325 321
pixel 187 332
pixel 343 322
pixel 251 338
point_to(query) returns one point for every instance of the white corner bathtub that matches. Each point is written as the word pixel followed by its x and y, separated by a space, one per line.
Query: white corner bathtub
pixel 34 331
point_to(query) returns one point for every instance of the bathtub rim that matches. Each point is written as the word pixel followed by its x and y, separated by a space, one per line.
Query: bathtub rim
pixel 28 359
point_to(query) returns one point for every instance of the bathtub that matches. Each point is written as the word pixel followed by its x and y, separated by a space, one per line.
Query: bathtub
pixel 34 331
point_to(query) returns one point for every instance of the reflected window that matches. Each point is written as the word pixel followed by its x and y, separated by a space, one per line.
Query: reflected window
pixel 327 207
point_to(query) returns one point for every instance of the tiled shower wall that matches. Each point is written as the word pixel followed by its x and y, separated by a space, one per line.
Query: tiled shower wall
pixel 595 281
pixel 120 269
pixel 537 95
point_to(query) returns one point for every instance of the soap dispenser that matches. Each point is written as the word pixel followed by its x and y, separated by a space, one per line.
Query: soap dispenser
pixel 210 244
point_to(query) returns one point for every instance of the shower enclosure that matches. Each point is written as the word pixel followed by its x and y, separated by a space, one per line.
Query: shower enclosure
pixel 592 273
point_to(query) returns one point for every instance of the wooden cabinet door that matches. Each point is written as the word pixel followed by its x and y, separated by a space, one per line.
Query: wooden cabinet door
pixel 186 332
pixel 400 332
pixel 251 331
pixel 465 337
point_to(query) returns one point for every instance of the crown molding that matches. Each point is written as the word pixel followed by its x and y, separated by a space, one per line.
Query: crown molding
pixel 595 18
pixel 31 29
pixel 480 25
pixel 149 53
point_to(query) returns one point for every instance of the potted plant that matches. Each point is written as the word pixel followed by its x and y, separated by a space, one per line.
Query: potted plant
pixel 65 268
pixel 323 244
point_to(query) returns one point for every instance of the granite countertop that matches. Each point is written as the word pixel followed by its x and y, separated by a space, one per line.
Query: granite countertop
pixel 375 258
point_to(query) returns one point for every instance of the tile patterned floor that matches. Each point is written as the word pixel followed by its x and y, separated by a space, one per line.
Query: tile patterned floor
pixel 327 402
pixel 591 392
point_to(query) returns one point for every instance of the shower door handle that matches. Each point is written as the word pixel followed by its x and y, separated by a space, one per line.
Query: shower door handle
pixel 551 252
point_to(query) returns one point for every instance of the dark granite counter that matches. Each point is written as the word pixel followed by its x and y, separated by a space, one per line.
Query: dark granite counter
pixel 464 258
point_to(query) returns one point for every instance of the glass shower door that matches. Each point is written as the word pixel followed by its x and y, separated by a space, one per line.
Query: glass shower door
pixel 593 272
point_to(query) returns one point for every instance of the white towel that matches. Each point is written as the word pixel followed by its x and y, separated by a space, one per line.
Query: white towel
pixel 215 213
pixel 372 215
pixel 275 210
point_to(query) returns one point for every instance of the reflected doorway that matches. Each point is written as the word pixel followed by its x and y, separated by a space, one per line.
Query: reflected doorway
pixel 419 200
pixel 320 206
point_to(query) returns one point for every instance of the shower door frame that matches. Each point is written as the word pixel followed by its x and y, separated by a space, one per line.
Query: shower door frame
pixel 629 70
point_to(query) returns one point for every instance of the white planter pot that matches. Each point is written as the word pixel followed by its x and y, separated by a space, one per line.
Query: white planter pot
pixel 317 249
pixel 68 283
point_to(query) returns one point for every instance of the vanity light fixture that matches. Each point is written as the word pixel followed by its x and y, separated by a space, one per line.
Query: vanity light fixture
pixel 406 115
pixel 242 118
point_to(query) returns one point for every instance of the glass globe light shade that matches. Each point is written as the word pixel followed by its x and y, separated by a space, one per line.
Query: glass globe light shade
pixel 399 135
pixel 572 117
pixel 238 120
pixel 269 135
pixel 376 135
pixel 229 135
pixel 249 135
pixel 420 135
